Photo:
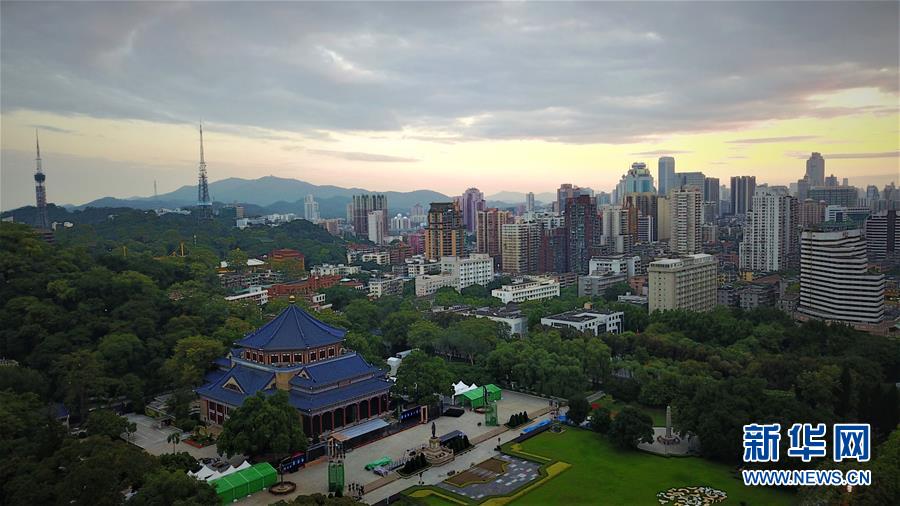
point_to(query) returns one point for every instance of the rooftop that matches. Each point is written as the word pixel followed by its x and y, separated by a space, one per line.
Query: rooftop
pixel 292 329
pixel 580 315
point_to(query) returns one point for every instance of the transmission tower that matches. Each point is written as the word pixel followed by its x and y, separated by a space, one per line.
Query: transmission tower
pixel 42 221
pixel 204 204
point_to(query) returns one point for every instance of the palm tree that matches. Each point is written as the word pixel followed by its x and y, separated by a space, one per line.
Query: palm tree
pixel 174 438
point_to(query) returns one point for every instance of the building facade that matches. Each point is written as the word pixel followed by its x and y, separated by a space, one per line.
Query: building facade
pixel 686 214
pixel 488 236
pixel 527 289
pixel 521 247
pixel 742 190
pixel 666 174
pixel 883 236
pixel 445 234
pixel 770 241
pixel 582 232
pixel 360 208
pixel 683 283
pixel 815 170
pixel 835 283
pixel 471 201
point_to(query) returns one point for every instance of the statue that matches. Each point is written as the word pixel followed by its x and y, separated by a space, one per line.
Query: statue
pixel 432 430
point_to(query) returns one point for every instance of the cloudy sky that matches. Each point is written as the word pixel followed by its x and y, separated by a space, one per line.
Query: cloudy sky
pixel 503 96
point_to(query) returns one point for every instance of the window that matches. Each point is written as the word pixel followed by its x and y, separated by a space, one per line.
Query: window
pixel 321 354
pixel 298 358
pixel 312 357
pixel 286 358
pixel 330 352
pixel 274 359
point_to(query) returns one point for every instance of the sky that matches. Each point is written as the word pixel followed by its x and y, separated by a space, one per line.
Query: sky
pixel 515 96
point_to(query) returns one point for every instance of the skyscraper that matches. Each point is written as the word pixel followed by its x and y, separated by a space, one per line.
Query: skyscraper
pixel 362 206
pixel 682 283
pixel 311 209
pixel 637 179
pixel 815 170
pixel 666 174
pixel 770 232
pixel 803 189
pixel 581 232
pixel 471 202
pixel 376 226
pixel 711 193
pixel 742 190
pixel 204 203
pixel 565 192
pixel 488 231
pixel 42 221
pixel 812 212
pixel 835 283
pixel 521 247
pixel 690 180
pixel 529 202
pixel 686 215
pixel 883 236
pixel 445 234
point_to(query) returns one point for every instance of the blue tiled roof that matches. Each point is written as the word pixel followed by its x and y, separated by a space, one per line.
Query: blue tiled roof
pixel 293 329
pixel 338 396
pixel 250 380
pixel 349 365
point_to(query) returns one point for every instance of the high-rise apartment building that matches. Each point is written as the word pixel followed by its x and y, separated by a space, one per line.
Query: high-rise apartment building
pixel 445 234
pixel 770 232
pixel 686 215
pixel 361 206
pixel 471 202
pixel 696 180
pixel 847 196
pixel 311 209
pixel 883 236
pixel 803 189
pixel 815 170
pixel 742 190
pixel 487 231
pixel 377 230
pixel 812 212
pixel 521 245
pixel 582 232
pixel 835 283
pixel 565 192
pixel 529 202
pixel 682 283
pixel 647 205
pixel 666 174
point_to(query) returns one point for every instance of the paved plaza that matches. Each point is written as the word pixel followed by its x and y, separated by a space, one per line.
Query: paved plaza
pixel 519 472
pixel 153 439
pixel 314 478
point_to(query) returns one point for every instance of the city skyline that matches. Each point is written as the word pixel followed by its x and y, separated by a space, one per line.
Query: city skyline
pixel 609 85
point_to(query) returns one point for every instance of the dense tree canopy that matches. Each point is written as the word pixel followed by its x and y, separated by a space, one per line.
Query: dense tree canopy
pixel 265 425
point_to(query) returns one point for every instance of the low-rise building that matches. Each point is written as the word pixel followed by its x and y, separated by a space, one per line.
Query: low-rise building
pixel 256 294
pixel 427 284
pixel 335 270
pixel 379 287
pixel 596 284
pixel 625 264
pixel 592 321
pixel 637 300
pixel 510 315
pixel 527 289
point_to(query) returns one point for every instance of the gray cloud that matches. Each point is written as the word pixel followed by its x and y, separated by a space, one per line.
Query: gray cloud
pixel 568 72
pixel 851 156
pixel 51 128
pixel 767 140
pixel 362 157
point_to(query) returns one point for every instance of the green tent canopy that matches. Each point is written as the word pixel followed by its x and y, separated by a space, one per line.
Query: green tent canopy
pixel 243 483
pixel 475 397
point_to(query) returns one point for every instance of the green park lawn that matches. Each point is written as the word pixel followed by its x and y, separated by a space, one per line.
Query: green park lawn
pixel 603 474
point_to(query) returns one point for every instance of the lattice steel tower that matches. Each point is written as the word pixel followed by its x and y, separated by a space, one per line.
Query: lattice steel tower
pixel 204 204
pixel 40 191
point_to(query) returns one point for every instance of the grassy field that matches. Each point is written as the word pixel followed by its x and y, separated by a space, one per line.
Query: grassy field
pixel 602 474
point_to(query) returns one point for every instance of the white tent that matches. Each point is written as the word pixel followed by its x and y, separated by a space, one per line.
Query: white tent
pixel 206 473
pixel 461 388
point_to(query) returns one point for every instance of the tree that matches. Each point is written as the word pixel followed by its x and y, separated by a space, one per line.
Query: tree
pixel 104 422
pixel 362 314
pixel 191 358
pixel 612 292
pixel 163 487
pixel 578 409
pixel 631 427
pixel 423 378
pixel 237 260
pixel 265 425
pixel 174 438
pixel 81 378
pixel 396 326
pixel 424 335
pixel 181 461
pixel 601 420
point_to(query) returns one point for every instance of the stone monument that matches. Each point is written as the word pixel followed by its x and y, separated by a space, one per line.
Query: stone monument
pixel 435 454
pixel 669 438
